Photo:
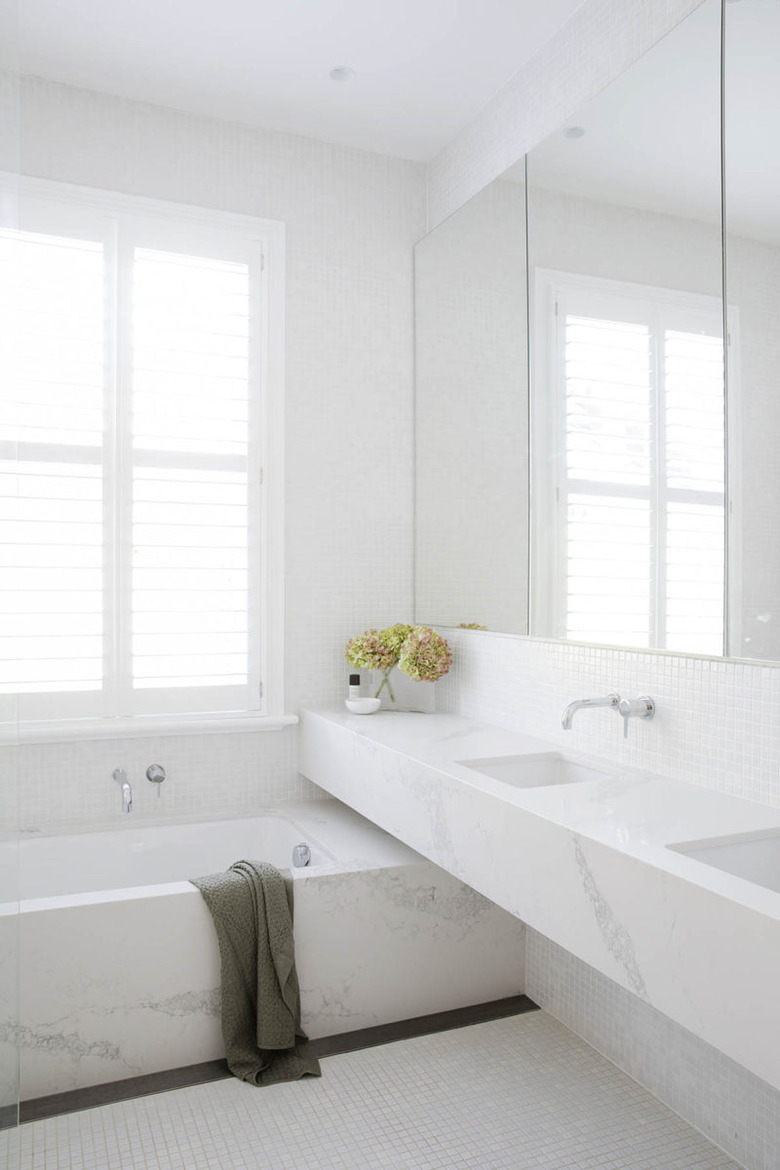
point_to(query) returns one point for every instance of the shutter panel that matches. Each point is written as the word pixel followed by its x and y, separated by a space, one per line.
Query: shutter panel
pixel 194 516
pixel 694 409
pixel 52 367
pixel 609 437
pixel 608 569
pixel 133 355
pixel 607 387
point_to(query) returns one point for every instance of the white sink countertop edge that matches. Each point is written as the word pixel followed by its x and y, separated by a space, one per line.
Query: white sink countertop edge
pixel 634 812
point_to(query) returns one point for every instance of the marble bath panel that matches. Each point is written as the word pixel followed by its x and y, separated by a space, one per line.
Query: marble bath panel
pixel 9 1007
pixel 375 946
pixel 126 983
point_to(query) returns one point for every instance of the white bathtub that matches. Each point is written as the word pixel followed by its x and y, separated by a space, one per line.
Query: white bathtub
pixel 152 855
pixel 120 965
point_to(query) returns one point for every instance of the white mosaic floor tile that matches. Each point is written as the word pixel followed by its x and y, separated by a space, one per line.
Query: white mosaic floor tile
pixel 516 1094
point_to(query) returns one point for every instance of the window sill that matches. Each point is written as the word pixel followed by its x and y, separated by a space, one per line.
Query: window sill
pixel 141 727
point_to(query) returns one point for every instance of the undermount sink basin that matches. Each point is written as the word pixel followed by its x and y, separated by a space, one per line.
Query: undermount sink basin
pixel 753 856
pixel 536 771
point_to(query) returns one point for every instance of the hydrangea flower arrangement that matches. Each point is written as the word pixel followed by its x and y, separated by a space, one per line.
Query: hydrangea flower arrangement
pixel 425 655
pixel 416 650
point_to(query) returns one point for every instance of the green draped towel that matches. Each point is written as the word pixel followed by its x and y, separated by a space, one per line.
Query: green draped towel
pixel 251 905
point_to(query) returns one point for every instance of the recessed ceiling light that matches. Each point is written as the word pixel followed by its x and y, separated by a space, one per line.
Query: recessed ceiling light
pixel 573 132
pixel 343 73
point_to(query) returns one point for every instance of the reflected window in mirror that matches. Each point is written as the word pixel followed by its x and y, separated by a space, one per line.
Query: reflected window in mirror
pixel 628 487
pixel 627 388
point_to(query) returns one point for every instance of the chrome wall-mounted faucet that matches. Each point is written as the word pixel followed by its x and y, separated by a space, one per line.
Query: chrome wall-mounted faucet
pixel 610 700
pixel 641 708
pixel 120 775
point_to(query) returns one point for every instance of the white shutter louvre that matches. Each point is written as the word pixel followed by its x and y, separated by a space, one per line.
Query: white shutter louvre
pixel 694 407
pixel 192 451
pixel 52 363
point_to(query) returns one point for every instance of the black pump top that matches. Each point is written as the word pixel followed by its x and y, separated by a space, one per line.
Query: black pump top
pixel 354 680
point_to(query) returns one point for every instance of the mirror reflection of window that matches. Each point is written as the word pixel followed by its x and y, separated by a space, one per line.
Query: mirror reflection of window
pixel 628 480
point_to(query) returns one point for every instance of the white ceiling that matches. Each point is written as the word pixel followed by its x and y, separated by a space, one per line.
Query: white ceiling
pixel 425 67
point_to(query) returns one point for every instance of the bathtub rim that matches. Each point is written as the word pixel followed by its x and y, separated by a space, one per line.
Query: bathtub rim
pixel 107 894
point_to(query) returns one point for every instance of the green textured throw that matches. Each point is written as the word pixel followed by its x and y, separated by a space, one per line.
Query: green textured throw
pixel 251 905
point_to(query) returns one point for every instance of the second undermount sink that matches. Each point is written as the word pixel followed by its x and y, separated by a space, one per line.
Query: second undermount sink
pixel 753 856
pixel 534 771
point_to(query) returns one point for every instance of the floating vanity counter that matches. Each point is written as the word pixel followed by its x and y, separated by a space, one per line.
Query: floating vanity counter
pixel 627 871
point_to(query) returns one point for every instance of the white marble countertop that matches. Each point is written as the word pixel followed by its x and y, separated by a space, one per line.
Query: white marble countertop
pixel 635 812
pixel 587 864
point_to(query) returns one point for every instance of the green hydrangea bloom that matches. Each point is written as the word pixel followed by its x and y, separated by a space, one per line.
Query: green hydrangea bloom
pixel 395 636
pixel 371 651
pixel 425 655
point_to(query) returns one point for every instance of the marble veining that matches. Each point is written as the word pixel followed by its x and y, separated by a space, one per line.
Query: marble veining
pixel 616 938
pixel 184 1003
pixel 381 934
pixel 69 1044
pixel 587 864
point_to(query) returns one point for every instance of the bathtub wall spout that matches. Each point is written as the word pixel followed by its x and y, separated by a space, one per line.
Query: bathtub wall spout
pixel 120 775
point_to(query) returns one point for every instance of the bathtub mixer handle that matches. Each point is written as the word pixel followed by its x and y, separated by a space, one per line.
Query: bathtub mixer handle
pixel 155 773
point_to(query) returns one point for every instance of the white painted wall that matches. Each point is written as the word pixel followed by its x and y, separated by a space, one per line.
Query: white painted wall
pixel 352 220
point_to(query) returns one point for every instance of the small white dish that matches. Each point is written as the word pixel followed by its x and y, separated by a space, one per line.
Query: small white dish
pixel 363 706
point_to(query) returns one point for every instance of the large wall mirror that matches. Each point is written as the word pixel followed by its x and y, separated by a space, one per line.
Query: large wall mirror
pixel 637 507
pixel 752 217
pixel 471 521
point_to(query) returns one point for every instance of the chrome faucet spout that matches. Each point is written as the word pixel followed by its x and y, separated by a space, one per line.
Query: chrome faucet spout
pixel 120 775
pixel 610 700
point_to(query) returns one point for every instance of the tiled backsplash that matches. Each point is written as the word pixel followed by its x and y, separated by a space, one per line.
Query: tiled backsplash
pixel 716 722
pixel 732 1106
pixel 71 783
pixel 601 40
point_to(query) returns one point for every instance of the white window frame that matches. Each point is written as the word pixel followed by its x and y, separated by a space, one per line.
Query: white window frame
pixel 45 202
pixel 548 452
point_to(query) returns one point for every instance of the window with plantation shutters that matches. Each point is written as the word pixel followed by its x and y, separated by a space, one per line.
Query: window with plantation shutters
pixel 136 362
pixel 52 492
pixel 629 458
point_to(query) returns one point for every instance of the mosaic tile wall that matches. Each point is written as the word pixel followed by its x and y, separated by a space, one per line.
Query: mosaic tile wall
pixel 71 783
pixel 715 725
pixel 732 1106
